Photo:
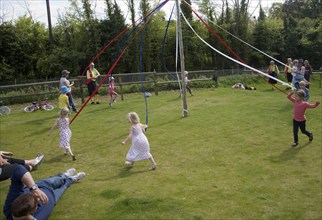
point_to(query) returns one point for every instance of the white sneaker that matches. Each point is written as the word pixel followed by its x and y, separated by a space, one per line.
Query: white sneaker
pixel 38 160
pixel 128 164
pixel 78 176
pixel 70 172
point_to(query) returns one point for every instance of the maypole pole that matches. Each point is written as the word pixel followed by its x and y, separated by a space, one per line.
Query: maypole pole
pixel 181 52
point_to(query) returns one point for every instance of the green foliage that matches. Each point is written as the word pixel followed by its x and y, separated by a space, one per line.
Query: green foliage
pixel 290 29
pixel 229 159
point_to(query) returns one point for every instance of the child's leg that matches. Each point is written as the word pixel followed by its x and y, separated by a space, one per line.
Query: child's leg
pixel 302 125
pixel 114 96
pixel 154 165
pixel 111 100
pixel 295 131
pixel 71 153
pixel 97 96
pixel 189 90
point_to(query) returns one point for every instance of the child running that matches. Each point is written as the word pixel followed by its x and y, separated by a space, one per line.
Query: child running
pixel 65 133
pixel 140 149
pixel 111 91
pixel 299 118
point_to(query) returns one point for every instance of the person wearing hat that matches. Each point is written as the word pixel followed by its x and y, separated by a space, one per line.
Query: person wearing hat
pixel 92 75
pixel 111 91
pixel 65 82
pixel 187 81
pixel 63 98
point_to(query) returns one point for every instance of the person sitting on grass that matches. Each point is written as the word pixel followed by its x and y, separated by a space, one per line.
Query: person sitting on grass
pixel 8 164
pixel 36 200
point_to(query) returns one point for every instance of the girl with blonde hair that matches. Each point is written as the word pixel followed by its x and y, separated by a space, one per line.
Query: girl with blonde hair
pixel 64 132
pixel 140 148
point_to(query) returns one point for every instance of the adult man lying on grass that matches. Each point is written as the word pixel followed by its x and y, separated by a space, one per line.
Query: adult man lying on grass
pixel 36 200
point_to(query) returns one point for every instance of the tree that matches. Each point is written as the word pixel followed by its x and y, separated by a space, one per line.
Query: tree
pixel 110 28
pixel 260 40
pixel 186 10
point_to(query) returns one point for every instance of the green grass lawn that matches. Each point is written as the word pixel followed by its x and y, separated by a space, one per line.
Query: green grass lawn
pixel 231 158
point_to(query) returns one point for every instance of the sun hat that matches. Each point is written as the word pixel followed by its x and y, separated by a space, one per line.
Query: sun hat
pixel 186 73
pixel 92 64
pixel 63 89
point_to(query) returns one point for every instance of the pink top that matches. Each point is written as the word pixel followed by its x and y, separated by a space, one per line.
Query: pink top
pixel 111 87
pixel 299 108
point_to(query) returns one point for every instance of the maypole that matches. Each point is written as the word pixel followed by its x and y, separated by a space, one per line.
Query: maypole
pixel 182 64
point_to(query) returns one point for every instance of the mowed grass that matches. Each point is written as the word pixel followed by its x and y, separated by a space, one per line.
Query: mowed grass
pixel 229 159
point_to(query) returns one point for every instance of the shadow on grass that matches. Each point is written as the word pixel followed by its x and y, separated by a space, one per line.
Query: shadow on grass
pixel 288 154
pixel 111 194
pixel 58 158
pixel 169 122
pixel 39 132
pixel 41 120
pixel 147 207
pixel 124 173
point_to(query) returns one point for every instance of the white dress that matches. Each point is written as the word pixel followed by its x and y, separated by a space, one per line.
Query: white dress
pixel 64 132
pixel 140 148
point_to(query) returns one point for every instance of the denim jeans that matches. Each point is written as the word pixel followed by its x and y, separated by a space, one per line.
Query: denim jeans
pixel 58 184
pixel 71 101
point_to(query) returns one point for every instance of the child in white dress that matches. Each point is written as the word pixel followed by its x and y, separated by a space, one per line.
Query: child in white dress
pixel 140 148
pixel 64 132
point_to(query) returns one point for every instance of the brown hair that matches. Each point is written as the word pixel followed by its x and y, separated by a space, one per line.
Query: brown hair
pixel 300 93
pixel 24 205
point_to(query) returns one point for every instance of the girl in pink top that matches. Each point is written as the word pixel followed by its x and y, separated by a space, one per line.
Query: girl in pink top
pixel 111 91
pixel 299 119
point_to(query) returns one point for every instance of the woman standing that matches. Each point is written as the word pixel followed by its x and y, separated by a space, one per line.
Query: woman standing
pixel 65 82
pixel 92 75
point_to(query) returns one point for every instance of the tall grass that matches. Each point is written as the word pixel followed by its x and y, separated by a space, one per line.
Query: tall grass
pixel 229 159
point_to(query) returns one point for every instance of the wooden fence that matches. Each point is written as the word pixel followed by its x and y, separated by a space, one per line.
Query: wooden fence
pixel 50 88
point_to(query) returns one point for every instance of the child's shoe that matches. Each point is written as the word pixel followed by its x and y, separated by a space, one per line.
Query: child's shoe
pixel 295 144
pixel 154 166
pixel 311 137
pixel 128 164
pixel 38 161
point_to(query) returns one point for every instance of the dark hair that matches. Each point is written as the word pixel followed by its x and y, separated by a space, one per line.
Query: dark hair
pixel 24 205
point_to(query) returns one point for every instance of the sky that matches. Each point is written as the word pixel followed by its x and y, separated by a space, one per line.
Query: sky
pixel 11 9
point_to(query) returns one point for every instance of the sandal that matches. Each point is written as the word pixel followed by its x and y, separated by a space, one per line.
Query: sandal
pixel 154 166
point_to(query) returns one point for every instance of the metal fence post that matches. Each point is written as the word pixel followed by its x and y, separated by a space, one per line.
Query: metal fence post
pixel 155 82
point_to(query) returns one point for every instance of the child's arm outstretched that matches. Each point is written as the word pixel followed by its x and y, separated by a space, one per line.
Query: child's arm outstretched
pixel 144 128
pixel 53 127
pixel 128 137
pixel 289 96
